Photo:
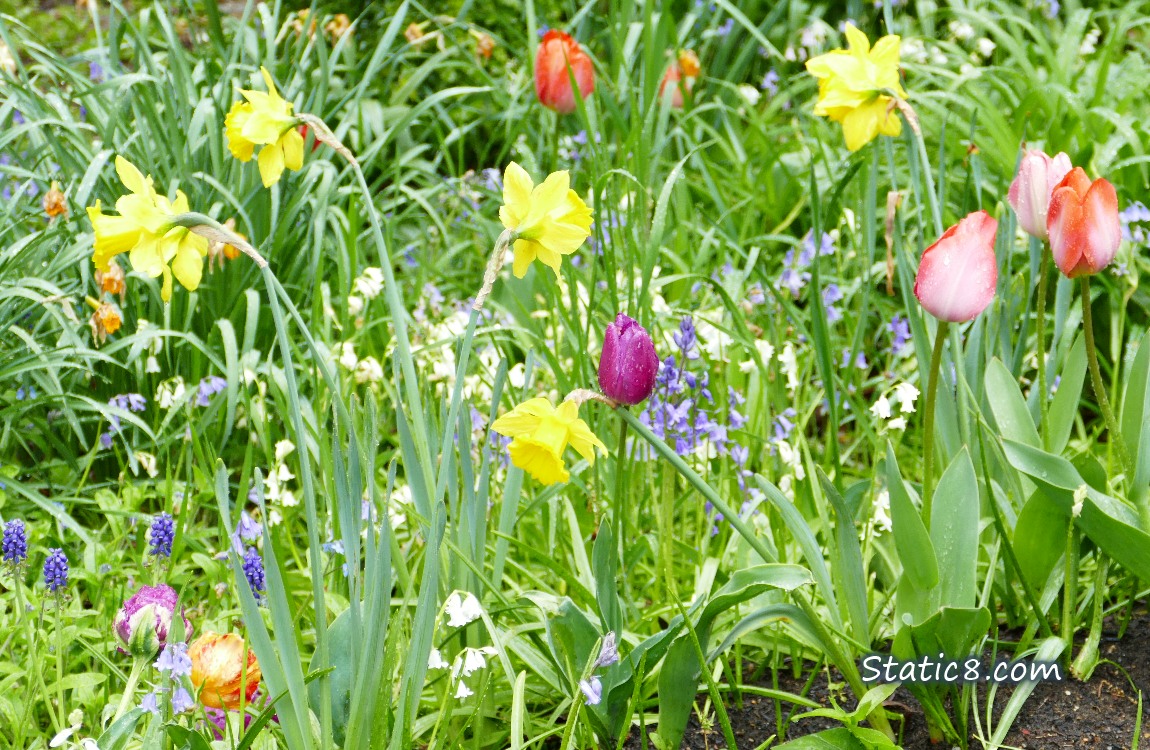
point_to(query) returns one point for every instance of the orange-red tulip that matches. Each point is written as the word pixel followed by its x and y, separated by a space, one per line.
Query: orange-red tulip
pixel 221 672
pixel 685 69
pixel 958 273
pixel 1083 224
pixel 557 53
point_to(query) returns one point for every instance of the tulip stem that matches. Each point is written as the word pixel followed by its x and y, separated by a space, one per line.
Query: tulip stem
pixel 621 496
pixel 1040 313
pixel 928 421
pixel 1096 379
pixel 130 687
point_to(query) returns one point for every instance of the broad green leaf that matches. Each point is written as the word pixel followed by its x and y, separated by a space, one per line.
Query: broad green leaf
pixel 915 550
pixel 115 736
pixel 954 531
pixel 1039 538
pixel 604 566
pixel 1064 406
pixel 954 632
pixel 1009 408
pixel 1135 412
pixel 847 562
pixel 1110 523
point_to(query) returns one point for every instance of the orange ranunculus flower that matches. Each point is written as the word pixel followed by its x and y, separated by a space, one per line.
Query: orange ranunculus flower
pixel 223 675
pixel 556 52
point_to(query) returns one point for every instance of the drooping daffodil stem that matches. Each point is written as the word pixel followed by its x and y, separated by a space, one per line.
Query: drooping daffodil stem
pixel 1040 332
pixel 928 421
pixel 129 696
pixel 830 642
pixel 1096 379
pixel 206 226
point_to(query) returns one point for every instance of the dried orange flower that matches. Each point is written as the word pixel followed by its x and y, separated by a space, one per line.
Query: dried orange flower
pixel 219 251
pixel 338 25
pixel 112 280
pixel 104 322
pixel 413 33
pixel 302 18
pixel 54 202
pixel 689 63
pixel 484 46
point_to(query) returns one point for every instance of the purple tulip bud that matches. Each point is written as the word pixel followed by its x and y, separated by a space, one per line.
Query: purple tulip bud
pixel 629 365
pixel 157 601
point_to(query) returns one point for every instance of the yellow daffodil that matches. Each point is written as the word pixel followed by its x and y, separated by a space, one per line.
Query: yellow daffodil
pixel 855 87
pixel 540 433
pixel 550 220
pixel 145 230
pixel 265 119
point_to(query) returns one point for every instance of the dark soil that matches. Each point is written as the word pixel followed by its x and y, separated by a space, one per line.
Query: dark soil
pixel 1099 714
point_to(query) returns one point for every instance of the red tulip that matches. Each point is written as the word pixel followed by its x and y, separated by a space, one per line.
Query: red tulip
pixel 685 69
pixel 1038 175
pixel 958 273
pixel 559 58
pixel 1083 224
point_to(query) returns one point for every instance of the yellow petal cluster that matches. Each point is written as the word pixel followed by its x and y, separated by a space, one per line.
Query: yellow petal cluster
pixel 540 433
pixel 144 230
pixel 265 119
pixel 855 87
pixel 550 219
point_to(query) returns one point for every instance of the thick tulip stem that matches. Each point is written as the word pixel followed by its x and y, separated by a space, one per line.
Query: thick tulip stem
pixel 1096 378
pixel 1040 332
pixel 928 420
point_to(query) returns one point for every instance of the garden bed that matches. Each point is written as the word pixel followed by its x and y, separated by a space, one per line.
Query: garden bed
pixel 1098 714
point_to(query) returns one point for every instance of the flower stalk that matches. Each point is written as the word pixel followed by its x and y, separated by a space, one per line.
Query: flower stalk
pixel 928 421
pixel 1116 438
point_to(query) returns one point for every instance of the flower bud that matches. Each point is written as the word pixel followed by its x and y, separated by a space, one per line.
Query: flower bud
pixel 1029 196
pixel 628 365
pixel 145 619
pixel 958 273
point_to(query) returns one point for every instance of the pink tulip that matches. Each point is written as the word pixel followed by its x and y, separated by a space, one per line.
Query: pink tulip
pixel 958 273
pixel 1083 224
pixel 1029 196
pixel 558 59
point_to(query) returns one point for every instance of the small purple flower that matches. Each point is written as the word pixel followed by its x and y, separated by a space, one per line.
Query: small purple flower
pixel 56 570
pixel 608 652
pixel 181 700
pixel 161 535
pixel 254 571
pixel 17 118
pixel 592 690
pixel 899 328
pixel 174 658
pixel 96 72
pixel 15 543
pixel 770 83
pixel 150 703
pixel 726 27
pixel 249 529
pixel 629 365
pixel 686 337
pixel 542 30
pixel 831 295
pixel 209 387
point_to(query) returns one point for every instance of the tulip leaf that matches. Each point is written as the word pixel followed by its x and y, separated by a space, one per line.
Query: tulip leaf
pixel 954 531
pixel 1009 408
pixel 1110 523
pixel 915 549
pixel 1064 406
pixel 1039 539
pixel 1135 411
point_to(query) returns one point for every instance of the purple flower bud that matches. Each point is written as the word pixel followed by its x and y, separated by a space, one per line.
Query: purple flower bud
pixel 161 601
pixel 629 365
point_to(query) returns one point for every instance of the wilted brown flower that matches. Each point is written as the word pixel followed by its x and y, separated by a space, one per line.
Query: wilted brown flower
pixel 112 280
pixel 105 321
pixel 338 25
pixel 484 45
pixel 303 18
pixel 54 202
pixel 219 251
pixel 413 33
